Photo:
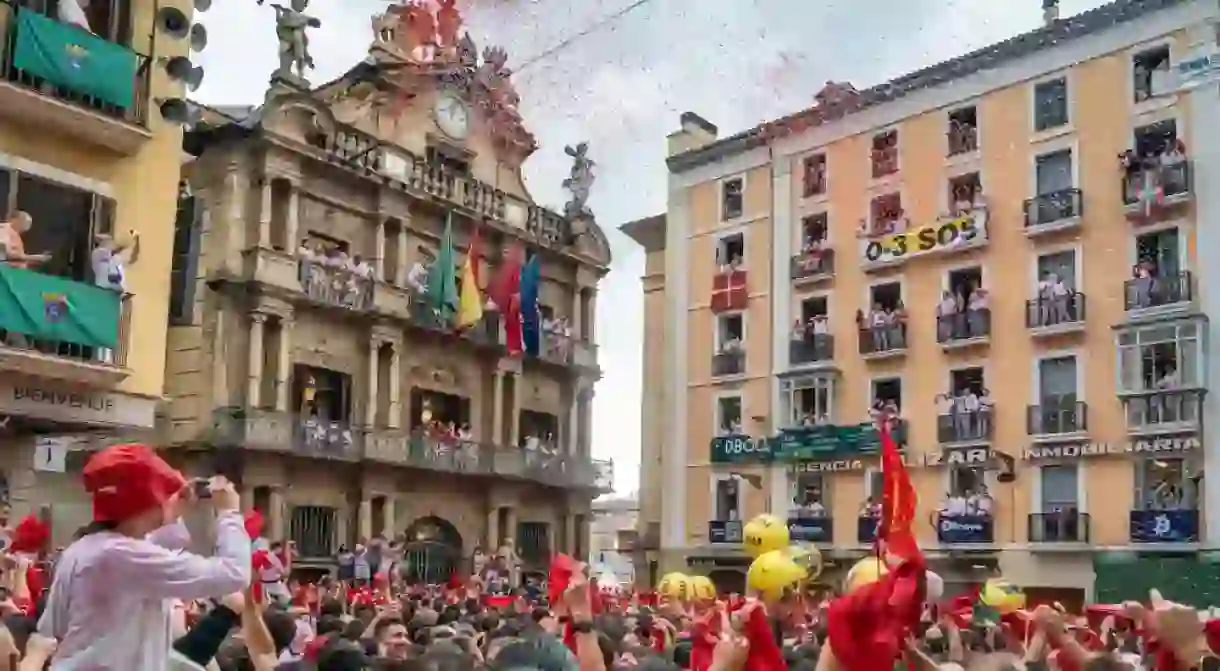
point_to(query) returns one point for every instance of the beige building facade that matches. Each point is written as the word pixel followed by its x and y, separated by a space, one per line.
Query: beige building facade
pixel 334 399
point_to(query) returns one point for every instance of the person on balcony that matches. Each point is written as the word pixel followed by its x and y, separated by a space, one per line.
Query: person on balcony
pixel 72 12
pixel 110 258
pixel 977 312
pixel 12 245
pixel 979 501
pixel 880 322
pixel 417 278
pixel 954 506
pixel 946 309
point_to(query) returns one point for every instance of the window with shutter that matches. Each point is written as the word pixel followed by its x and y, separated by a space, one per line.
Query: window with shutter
pixel 184 265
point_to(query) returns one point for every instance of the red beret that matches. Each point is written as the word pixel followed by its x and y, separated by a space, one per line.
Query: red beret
pixel 31 535
pixel 126 480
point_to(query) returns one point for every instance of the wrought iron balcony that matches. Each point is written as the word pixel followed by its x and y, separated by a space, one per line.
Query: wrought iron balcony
pixel 965 427
pixel 102 100
pixel 1066 526
pixel 1061 313
pixel 724 532
pixel 1153 192
pixel 811 267
pixel 1144 293
pixel 1056 417
pixel 961 328
pixel 1164 526
pixel 813 348
pixel 883 341
pixel 56 328
pixel 1053 210
pixel 1163 410
pixel 965 529
pixel 811 528
pixel 728 363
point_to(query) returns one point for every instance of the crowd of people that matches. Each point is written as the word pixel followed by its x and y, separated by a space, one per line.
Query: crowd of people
pixel 963 313
pixel 329 274
pixel 884 327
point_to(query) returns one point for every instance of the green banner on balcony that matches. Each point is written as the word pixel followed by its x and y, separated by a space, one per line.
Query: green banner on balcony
pixel 74 59
pixel 56 309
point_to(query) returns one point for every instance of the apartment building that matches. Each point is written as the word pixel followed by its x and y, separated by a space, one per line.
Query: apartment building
pixel 311 355
pixel 89 149
pixel 999 256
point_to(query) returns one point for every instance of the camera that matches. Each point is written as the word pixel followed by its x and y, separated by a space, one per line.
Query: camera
pixel 202 488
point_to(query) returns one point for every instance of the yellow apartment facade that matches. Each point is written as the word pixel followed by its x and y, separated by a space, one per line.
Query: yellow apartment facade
pixel 1000 253
pixel 85 150
pixel 308 356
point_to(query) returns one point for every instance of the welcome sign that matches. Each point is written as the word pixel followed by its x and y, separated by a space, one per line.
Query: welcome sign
pixel 942 236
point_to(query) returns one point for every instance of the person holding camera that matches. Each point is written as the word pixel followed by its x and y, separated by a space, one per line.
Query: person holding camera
pixel 110 602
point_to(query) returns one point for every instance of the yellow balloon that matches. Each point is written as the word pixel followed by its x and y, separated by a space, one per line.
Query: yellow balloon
pixel 764 534
pixel 774 571
pixel 807 556
pixel 1002 595
pixel 675 586
pixel 703 588
pixel 866 571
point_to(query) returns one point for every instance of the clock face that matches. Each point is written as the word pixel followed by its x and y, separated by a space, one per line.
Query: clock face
pixel 452 117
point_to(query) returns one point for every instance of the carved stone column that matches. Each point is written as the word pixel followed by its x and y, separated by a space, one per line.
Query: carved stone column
pixel 254 365
pixel 365 520
pixel 379 264
pixel 292 221
pixel 497 404
pixel 573 437
pixel 264 214
pixel 401 261
pixel 370 404
pixel 588 330
pixel 275 514
pixel 514 421
pixel 578 327
pixel 389 524
pixel 569 534
pixel 493 530
pixel 283 373
pixel 395 417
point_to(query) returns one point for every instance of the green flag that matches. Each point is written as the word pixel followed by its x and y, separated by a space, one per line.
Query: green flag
pixel 52 308
pixel 442 279
pixel 67 56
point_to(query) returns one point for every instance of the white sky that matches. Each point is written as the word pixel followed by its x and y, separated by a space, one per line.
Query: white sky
pixel 622 87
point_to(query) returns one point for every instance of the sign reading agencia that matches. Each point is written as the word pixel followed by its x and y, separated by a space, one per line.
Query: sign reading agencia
pixel 945 235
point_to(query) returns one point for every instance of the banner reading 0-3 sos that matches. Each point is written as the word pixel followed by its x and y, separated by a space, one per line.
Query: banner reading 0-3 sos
pixel 942 236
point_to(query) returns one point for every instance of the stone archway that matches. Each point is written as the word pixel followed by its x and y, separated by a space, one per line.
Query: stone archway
pixel 433 551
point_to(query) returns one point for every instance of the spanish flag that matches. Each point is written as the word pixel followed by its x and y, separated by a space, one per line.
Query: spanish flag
pixel 470 303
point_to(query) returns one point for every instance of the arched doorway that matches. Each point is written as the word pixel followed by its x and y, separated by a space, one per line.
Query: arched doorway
pixel 433 551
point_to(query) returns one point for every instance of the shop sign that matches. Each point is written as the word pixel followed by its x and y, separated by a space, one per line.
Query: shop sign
pixel 964 529
pixel 965 457
pixel 1194 72
pixel 811 529
pixel 822 442
pixel 60 404
pixel 832 466
pixel 1094 449
pixel 1164 526
pixel 939 237
pixel 739 449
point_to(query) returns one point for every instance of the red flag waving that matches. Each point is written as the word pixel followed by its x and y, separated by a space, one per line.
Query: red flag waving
pixel 563 568
pixel 898 500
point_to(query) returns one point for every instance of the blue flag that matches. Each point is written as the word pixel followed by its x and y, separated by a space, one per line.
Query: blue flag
pixel 531 331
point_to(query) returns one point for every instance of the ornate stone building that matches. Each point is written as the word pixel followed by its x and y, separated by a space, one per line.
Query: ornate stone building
pixel 329 395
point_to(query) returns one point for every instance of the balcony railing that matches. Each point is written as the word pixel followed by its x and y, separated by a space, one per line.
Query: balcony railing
pixel 964 529
pixel 62 329
pixel 1057 417
pixel 113 81
pixel 965 427
pixel 1052 208
pixel 866 529
pixel 1059 311
pixel 368 154
pixel 1164 526
pixel 1067 526
pixel 724 531
pixel 883 339
pixel 885 162
pixel 266 430
pixel 1143 293
pixel 812 349
pixel 728 363
pixel 1163 410
pixel 811 529
pixel 336 287
pixel 811 266
pixel 1156 186
pixel 962 326
pixel 963 139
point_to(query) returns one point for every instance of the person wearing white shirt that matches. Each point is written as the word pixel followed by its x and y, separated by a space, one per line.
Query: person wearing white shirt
pixel 969 415
pixel 977 315
pixel 1044 305
pixel 109 260
pixel 1059 300
pixel 306 258
pixel 946 308
pixel 879 323
pixel 984 503
pixel 955 506
pixel 798 331
pixel 72 12
pixel 417 278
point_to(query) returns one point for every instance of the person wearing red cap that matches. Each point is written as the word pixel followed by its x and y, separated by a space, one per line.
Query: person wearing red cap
pixel 109 604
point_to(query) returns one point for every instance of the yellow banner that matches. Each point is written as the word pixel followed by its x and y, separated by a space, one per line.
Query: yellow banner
pixel 971 228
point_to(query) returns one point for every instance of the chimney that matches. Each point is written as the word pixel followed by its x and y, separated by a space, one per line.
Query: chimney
pixel 695 132
pixel 1050 12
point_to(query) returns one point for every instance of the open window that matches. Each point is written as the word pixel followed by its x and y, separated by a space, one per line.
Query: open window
pixel 965 381
pixel 453 159
pixel 888 391
pixel 886 296
pixel 885 153
pixel 965 193
pixel 730 333
pixel 728 498
pixel 437 408
pixel 886 215
pixel 731 251
pixel 963 130
pixel 322 394
pixel 815 175
pixel 963 282
pixel 1166 483
pixel 1156 139
pixel 812 307
pixel 728 416
pixel 1151 73
pixel 809 494
pixel 812 402
pixel 732 198
pixel 814 229
pixel 1159 252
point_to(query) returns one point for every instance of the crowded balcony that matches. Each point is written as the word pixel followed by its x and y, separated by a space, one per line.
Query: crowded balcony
pixel 883 340
pixel 883 328
pixel 102 100
pixel 967 512
pixel 867 522
pixel 1055 313
pixel 813 183
pixel 1053 211
pixel 965 419
pixel 811 341
pixel 1149 289
pixel 730 355
pixel 884 154
pixel 1067 525
pixel 284 432
pixel 1156 175
pixel 724 532
pixel 885 217
pixel 963 132
pixel 730 284
pixel 812 265
pixel 1057 417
